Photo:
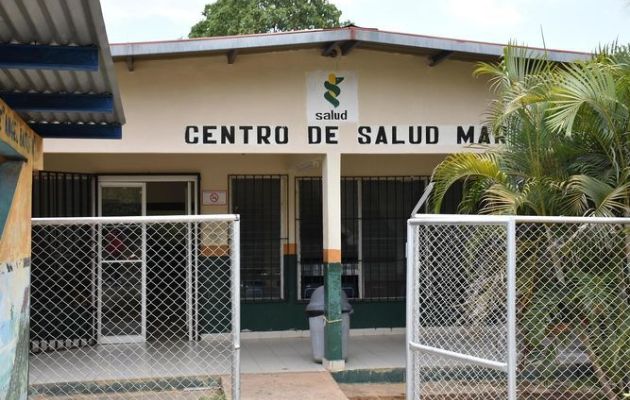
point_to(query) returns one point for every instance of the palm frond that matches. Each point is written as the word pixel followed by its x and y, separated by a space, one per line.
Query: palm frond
pixel 503 199
pixel 459 166
pixel 604 199
pixel 590 86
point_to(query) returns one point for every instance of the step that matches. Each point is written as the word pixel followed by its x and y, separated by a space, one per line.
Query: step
pixel 287 386
pixel 373 391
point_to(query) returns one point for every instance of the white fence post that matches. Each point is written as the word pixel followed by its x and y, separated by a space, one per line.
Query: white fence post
pixel 511 308
pixel 236 308
pixel 410 315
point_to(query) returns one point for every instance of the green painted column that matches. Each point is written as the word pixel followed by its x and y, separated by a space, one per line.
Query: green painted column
pixel 333 332
pixel 331 194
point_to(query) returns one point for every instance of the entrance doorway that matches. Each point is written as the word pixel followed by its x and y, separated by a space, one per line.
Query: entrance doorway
pixel 145 274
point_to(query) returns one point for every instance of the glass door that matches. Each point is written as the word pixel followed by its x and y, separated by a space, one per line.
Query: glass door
pixel 122 264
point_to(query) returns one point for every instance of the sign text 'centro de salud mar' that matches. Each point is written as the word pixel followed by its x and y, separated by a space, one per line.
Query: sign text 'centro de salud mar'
pixel 332 101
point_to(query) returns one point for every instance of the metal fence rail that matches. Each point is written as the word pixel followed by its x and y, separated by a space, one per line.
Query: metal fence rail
pixel 518 308
pixel 135 305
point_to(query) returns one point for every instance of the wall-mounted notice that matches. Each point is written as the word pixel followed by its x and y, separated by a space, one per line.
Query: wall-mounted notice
pixel 214 197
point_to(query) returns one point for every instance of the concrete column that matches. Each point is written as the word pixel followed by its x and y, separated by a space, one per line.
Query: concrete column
pixel 331 194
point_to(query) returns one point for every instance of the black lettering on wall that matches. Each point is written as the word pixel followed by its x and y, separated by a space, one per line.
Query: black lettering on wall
pixel 465 136
pixel 381 136
pixel 263 134
pixel 282 135
pixel 314 135
pixel 395 139
pixel 246 129
pixel 499 138
pixel 364 135
pixel 415 134
pixel 208 131
pixel 331 134
pixel 484 136
pixel 227 134
pixel 433 134
pixel 188 135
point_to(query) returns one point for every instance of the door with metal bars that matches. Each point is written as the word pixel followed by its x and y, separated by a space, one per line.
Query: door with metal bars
pixel 107 289
pixel 145 273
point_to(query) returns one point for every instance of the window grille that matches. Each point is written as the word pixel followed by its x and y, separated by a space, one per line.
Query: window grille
pixel 62 289
pixel 62 194
pixel 259 200
pixel 374 211
pixel 309 218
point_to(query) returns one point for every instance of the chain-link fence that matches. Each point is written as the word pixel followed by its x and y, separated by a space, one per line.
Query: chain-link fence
pixel 134 307
pixel 518 308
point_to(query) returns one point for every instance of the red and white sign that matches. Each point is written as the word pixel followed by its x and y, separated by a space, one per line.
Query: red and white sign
pixel 214 197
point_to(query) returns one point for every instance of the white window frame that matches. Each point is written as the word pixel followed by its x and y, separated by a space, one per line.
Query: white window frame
pixel 143 265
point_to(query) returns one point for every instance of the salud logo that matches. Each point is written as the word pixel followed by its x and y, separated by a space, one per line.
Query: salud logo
pixel 332 89
pixel 331 96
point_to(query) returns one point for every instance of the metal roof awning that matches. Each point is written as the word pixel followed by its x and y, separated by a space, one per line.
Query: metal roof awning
pixel 330 42
pixel 56 69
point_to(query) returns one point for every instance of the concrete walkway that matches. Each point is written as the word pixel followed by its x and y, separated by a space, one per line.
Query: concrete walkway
pixel 294 354
pixel 288 386
pixel 374 391
pixel 156 360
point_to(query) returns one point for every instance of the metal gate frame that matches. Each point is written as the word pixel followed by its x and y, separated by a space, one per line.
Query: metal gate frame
pixel 412 345
pixel 192 221
pixel 510 223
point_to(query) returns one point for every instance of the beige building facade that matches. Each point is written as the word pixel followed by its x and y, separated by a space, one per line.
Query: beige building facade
pixel 322 141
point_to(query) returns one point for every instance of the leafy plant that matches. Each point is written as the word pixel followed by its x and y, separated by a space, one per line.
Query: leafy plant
pixel 567 152
pixel 238 17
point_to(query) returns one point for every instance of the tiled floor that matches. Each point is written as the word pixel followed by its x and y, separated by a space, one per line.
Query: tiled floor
pixel 115 362
pixel 294 354
pixel 145 360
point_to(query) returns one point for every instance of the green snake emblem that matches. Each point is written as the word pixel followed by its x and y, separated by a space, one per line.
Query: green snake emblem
pixel 332 90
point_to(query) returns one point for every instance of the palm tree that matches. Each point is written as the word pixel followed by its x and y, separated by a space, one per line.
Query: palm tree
pixel 567 152
pixel 567 149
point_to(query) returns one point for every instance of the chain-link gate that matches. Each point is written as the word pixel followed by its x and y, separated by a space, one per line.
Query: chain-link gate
pixel 135 307
pixel 518 308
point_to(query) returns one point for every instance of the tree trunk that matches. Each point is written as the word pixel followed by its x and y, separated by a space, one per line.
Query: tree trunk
pixel 608 387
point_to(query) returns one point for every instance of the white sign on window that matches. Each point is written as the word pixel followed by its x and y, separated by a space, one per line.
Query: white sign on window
pixel 214 197
pixel 331 97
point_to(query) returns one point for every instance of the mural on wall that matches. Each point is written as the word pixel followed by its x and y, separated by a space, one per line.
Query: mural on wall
pixel 14 322
pixel 15 249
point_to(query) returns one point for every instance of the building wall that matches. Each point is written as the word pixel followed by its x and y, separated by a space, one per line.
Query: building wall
pixel 163 96
pixel 15 266
pixel 20 154
pixel 214 171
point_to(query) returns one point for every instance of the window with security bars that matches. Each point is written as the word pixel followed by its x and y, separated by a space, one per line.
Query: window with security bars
pixel 62 194
pixel 63 286
pixel 309 218
pixel 258 199
pixel 374 211
pixel 386 204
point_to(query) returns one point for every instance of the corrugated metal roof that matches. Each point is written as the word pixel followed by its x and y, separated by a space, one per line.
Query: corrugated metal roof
pixel 67 23
pixel 358 36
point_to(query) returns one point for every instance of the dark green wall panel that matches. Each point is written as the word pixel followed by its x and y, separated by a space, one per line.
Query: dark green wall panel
pixel 289 314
